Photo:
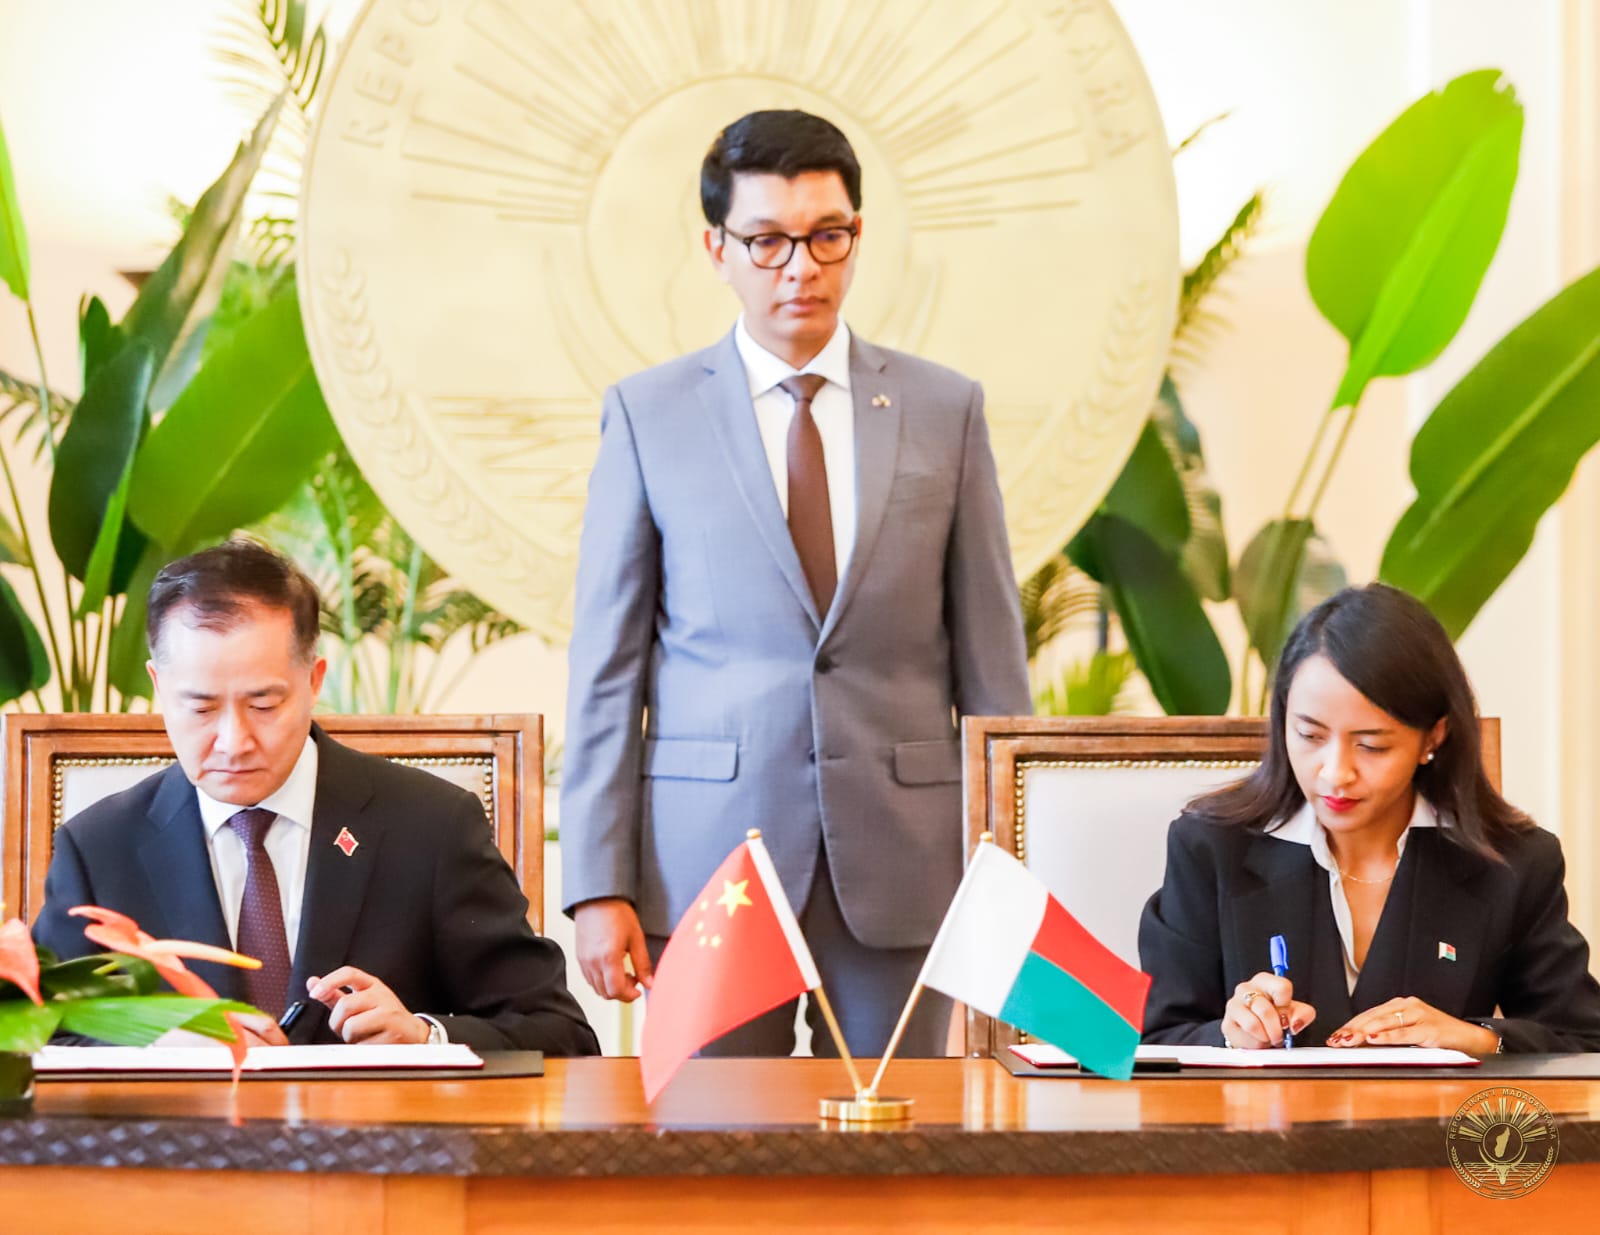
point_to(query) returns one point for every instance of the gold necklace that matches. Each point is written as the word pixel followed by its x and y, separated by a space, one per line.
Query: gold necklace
pixel 1359 879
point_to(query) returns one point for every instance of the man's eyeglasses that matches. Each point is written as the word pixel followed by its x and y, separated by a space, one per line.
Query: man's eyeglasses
pixel 772 250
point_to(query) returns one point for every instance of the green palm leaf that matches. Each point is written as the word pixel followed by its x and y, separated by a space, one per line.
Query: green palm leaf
pixel 1397 257
pixel 1496 454
pixel 140 1020
pixel 13 236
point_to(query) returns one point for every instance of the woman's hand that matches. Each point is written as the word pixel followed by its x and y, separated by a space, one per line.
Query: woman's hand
pixel 1260 1010
pixel 1410 1022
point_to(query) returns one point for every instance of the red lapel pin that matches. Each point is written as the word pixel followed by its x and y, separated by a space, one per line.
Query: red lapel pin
pixel 347 843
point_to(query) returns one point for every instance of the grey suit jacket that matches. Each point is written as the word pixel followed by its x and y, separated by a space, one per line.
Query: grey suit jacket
pixel 709 696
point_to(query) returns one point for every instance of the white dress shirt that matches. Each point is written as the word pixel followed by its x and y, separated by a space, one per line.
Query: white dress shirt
pixel 831 408
pixel 1303 828
pixel 288 843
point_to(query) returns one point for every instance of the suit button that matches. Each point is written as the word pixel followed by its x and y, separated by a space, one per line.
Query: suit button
pixel 811 755
pixel 824 664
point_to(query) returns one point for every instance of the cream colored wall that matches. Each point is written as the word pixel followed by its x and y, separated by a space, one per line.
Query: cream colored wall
pixel 86 85
pixel 1579 564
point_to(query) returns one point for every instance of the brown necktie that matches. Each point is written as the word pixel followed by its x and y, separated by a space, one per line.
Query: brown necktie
pixel 261 933
pixel 810 514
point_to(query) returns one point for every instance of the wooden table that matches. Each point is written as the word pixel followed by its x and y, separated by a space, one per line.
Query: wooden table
pixel 736 1145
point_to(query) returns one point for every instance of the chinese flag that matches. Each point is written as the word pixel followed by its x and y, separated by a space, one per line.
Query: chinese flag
pixel 737 953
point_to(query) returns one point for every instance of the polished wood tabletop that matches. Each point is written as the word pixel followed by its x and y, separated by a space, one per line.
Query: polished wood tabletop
pixel 971 1094
pixel 738 1145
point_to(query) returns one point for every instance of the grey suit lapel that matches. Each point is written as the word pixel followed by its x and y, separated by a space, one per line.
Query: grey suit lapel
pixel 183 889
pixel 336 884
pixel 877 435
pixel 725 393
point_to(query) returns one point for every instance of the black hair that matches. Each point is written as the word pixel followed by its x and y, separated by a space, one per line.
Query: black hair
pixel 1394 651
pixel 785 143
pixel 215 587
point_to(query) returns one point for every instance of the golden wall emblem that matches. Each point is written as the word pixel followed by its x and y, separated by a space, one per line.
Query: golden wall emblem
pixel 1503 1142
pixel 501 218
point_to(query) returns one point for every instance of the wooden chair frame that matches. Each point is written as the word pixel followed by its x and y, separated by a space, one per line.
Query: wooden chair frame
pixel 509 746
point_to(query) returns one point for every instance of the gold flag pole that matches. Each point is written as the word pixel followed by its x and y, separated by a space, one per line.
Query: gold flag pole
pixel 894 1039
pixel 838 1038
pixel 868 1107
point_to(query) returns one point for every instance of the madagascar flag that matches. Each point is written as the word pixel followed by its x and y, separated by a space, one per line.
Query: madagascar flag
pixel 737 953
pixel 1008 949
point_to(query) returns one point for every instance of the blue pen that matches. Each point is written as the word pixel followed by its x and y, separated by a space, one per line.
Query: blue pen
pixel 1280 966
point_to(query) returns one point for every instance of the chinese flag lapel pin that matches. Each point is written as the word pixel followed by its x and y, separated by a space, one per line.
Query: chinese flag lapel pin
pixel 347 844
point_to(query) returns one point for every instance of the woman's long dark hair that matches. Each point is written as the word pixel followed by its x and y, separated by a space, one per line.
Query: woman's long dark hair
pixel 1390 648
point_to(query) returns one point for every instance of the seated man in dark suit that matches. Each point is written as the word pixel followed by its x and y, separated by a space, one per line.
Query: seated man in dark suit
pixel 370 890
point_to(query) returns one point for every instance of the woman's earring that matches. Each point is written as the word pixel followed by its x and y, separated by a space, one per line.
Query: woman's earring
pixel 1428 758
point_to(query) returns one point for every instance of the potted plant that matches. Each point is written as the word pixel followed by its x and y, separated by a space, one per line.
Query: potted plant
pixel 116 996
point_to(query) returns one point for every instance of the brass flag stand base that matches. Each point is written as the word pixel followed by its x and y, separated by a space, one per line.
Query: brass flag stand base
pixel 866 1108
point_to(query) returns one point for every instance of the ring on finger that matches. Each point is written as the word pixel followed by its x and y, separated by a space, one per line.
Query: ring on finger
pixel 1400 1016
pixel 1249 995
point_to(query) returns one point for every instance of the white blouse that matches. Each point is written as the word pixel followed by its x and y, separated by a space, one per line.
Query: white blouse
pixel 1302 828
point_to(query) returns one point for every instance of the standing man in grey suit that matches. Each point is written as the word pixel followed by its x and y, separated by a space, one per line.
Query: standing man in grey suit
pixel 793 578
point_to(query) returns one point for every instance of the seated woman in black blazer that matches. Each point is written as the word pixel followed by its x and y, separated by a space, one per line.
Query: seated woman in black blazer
pixel 1417 905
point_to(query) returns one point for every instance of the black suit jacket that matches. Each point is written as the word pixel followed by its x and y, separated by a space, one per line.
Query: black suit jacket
pixel 425 903
pixel 1229 889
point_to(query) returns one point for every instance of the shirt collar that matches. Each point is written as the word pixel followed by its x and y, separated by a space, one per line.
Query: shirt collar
pixel 293 800
pixel 1303 829
pixel 764 370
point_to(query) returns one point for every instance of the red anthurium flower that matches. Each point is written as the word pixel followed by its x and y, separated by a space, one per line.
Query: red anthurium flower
pixel 19 962
pixel 119 933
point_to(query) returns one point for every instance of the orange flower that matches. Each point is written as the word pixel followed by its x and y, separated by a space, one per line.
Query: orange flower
pixel 119 933
pixel 19 962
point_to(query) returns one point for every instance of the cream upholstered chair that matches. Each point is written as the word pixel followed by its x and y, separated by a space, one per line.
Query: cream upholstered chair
pixel 55 765
pixel 1085 803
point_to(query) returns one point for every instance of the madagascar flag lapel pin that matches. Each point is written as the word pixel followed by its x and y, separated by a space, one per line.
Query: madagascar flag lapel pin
pixel 1447 951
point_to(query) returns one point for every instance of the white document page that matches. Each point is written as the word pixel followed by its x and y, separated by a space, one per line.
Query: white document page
pixel 1043 1055
pixel 216 1058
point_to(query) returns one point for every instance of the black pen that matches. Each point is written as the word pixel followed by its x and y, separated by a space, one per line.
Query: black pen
pixel 290 1015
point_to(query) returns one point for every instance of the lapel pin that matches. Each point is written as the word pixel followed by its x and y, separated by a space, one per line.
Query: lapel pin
pixel 1447 951
pixel 347 844
pixel 880 401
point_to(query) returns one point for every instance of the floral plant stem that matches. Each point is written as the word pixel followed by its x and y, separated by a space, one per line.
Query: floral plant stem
pixel 99 648
pixel 401 656
pixel 1333 461
pixel 346 551
pixel 44 386
pixel 33 568
pixel 1310 459
pixel 426 692
pixel 432 700
pixel 78 643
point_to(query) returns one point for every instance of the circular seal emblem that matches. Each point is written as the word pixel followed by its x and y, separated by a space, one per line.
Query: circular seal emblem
pixel 500 218
pixel 1503 1142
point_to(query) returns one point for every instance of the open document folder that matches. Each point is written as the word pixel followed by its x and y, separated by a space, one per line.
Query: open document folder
pixel 1043 1055
pixel 258 1059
